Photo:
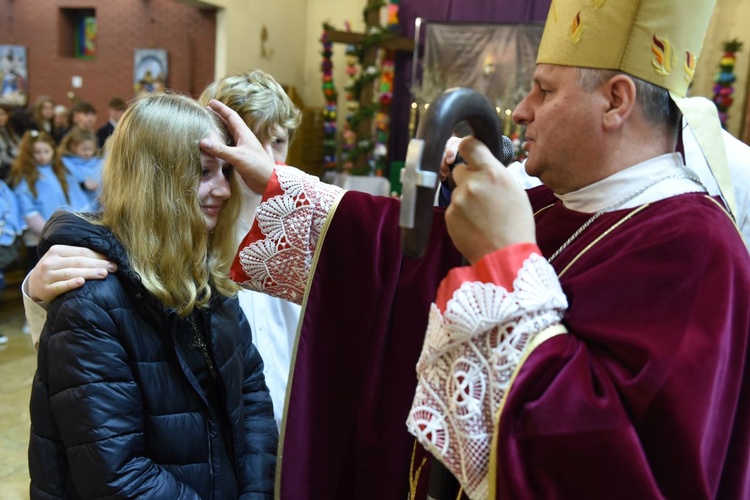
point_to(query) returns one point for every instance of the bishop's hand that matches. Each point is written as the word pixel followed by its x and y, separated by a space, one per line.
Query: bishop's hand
pixel 254 163
pixel 488 209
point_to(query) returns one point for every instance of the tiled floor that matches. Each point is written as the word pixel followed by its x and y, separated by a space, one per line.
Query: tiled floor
pixel 17 366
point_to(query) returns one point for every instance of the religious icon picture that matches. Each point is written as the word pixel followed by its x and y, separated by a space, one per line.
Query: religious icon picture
pixel 151 70
pixel 14 74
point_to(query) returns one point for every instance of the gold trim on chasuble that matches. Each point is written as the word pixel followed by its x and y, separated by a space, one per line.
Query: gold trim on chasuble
pixel 293 357
pixel 543 336
pixel 729 216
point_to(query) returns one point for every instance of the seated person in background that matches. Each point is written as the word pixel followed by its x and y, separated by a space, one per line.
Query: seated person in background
pixel 10 140
pixel 60 122
pixel 12 226
pixel 42 185
pixel 83 115
pixel 78 153
pixel 42 115
pixel 148 383
pixel 116 107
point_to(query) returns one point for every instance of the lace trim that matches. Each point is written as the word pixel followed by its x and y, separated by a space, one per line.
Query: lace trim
pixel 291 224
pixel 467 363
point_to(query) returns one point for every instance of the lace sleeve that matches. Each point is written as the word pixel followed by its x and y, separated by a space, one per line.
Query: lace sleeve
pixel 277 254
pixel 468 360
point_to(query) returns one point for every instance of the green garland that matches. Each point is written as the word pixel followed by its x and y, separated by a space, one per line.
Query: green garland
pixel 355 146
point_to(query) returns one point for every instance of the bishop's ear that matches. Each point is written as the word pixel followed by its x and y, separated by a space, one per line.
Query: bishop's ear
pixel 620 91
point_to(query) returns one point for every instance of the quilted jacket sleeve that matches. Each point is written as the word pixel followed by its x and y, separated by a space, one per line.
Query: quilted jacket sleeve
pixel 258 462
pixel 87 414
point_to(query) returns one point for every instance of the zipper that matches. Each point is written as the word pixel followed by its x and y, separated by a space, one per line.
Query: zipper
pixel 199 342
pixel 210 456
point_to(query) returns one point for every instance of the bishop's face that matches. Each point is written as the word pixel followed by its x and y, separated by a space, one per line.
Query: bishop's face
pixel 561 127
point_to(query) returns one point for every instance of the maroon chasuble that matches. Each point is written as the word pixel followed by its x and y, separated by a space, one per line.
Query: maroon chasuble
pixel 649 396
pixel 354 375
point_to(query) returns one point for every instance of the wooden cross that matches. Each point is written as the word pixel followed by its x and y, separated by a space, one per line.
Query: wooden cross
pixel 398 43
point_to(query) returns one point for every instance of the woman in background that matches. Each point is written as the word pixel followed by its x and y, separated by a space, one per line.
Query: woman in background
pixel 43 115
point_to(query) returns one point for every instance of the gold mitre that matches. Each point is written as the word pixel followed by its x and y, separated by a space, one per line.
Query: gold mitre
pixel 655 40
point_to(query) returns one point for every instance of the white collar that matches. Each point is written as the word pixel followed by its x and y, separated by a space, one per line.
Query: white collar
pixel 618 186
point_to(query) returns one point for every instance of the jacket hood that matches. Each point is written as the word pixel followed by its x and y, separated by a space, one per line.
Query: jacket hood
pixel 66 228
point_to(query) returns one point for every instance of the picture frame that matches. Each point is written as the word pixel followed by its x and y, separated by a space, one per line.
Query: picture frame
pixel 14 76
pixel 151 70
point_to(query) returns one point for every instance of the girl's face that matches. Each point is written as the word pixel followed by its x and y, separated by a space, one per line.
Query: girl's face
pixel 3 117
pixel 84 149
pixel 213 189
pixel 42 153
pixel 47 110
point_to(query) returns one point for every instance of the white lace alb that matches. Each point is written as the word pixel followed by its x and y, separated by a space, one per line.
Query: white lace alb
pixel 291 222
pixel 469 356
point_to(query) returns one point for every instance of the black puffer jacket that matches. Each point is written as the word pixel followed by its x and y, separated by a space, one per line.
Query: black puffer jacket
pixel 115 410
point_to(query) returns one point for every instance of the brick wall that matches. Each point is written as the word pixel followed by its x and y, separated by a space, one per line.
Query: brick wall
pixel 187 33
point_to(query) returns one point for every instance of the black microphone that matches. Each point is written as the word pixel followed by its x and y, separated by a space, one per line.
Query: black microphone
pixel 507 155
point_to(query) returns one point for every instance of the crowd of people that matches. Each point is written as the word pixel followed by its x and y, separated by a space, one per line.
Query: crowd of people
pixel 587 337
pixel 50 158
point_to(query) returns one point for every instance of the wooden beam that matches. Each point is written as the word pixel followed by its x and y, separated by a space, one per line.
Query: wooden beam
pixel 389 42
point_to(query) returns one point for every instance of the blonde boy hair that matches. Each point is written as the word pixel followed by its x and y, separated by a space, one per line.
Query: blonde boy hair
pixel 150 201
pixel 258 99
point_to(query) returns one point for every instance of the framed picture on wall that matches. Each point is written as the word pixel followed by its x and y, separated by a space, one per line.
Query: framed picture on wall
pixel 85 37
pixel 151 70
pixel 14 75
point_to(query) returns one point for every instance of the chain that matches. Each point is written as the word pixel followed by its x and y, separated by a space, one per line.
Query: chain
pixel 615 206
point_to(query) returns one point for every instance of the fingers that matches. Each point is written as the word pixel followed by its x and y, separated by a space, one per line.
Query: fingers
pixel 64 268
pixel 221 118
pixel 449 157
pixel 54 290
pixel 226 114
pixel 478 157
pixel 234 123
pixel 70 256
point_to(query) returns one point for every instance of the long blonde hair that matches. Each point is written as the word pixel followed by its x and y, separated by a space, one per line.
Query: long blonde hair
pixel 150 201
